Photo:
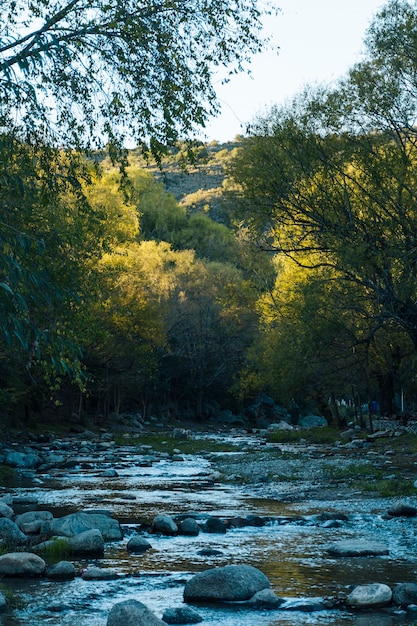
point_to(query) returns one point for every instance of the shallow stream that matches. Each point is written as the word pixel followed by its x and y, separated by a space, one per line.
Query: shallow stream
pixel 291 550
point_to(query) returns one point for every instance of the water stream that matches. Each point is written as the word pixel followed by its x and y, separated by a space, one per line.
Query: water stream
pixel 291 552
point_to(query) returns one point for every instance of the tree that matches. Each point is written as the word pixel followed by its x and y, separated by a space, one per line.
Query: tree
pixel 331 180
pixel 79 74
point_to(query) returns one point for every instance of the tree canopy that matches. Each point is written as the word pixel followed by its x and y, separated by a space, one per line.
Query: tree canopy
pixel 83 74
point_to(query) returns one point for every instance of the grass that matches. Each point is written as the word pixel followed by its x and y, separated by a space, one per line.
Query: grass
pixel 164 442
pixel 322 434
pixel 56 549
pixel 368 479
pixel 388 487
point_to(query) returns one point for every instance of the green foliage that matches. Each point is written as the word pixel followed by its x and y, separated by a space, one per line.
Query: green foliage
pixel 80 74
pixel 329 182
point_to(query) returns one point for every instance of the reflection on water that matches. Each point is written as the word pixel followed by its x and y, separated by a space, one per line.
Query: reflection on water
pixel 291 551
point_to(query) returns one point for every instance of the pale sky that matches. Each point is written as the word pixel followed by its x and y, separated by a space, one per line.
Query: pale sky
pixel 318 39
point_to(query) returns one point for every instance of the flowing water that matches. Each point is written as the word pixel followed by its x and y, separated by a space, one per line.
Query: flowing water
pixel 290 550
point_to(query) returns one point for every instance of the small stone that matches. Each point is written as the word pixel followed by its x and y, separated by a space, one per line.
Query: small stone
pixel 375 594
pixel 182 615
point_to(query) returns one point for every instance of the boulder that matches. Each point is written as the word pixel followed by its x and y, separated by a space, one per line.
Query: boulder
pixel 6 510
pixel 137 544
pixel 33 522
pixel 228 583
pixel 21 564
pixel 312 421
pixel 76 523
pixel 63 570
pixel 164 524
pixel 182 615
pixel 22 460
pixel 405 594
pixel 368 596
pixel 402 509
pixel 132 613
pixel 11 533
pixel 189 527
pixel 357 547
pixel 215 525
pixel 88 542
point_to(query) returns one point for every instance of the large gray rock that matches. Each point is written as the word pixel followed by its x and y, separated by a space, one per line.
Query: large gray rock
pixel 21 564
pixel 132 613
pixel 402 509
pixel 164 524
pixel 77 523
pixel 373 595
pixel 405 594
pixel 63 570
pixel 228 583
pixel 357 547
pixel 22 460
pixel 88 542
pixel 6 510
pixel 33 522
pixel 11 533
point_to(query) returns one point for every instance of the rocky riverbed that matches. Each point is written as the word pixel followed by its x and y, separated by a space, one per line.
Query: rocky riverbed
pixel 88 524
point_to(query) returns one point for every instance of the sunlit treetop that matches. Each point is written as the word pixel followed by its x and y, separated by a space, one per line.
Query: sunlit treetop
pixel 82 73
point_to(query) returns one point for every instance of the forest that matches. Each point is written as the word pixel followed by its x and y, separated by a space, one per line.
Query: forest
pixel 180 277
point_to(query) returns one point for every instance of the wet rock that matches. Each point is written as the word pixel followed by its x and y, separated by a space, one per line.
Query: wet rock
pixel 22 460
pixel 88 542
pixel 228 583
pixel 34 522
pixel 182 615
pixel 99 573
pixel 164 524
pixel 137 544
pixel 109 473
pixel 357 547
pixel 402 509
pixel 266 599
pixel 215 525
pixel 132 613
pixel 405 594
pixel 373 595
pixel 209 552
pixel 3 602
pixel 307 605
pixel 63 570
pixel 255 520
pixel 6 510
pixel 189 527
pixel 21 564
pixel 10 532
pixel 76 523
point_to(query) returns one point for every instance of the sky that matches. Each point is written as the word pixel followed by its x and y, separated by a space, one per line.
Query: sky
pixel 319 40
